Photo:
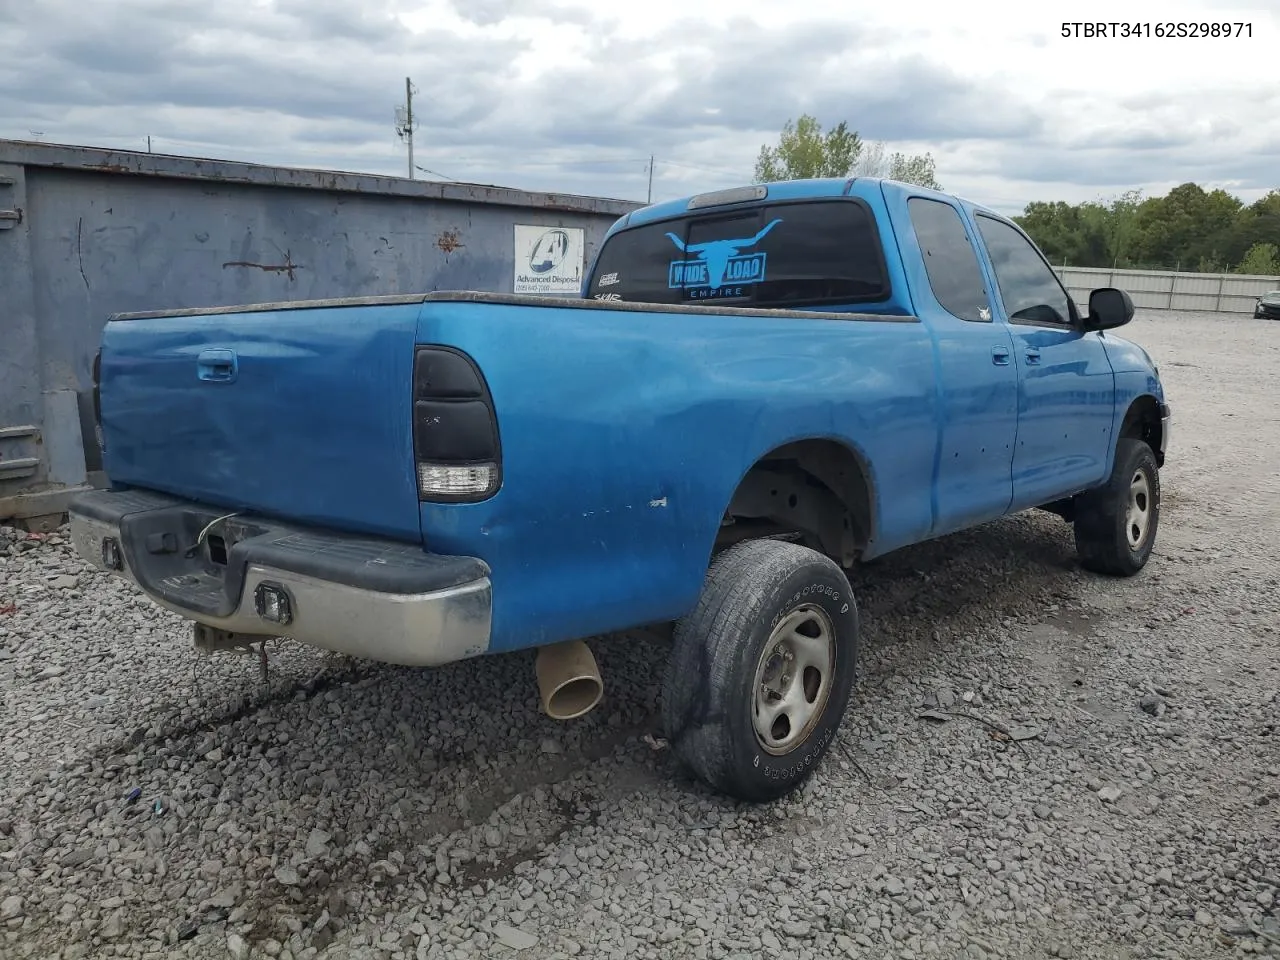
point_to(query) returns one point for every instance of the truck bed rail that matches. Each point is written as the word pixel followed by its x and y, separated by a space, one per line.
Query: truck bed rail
pixel 522 300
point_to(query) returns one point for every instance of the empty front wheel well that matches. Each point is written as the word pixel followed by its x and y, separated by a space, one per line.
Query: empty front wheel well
pixel 818 489
pixel 1142 422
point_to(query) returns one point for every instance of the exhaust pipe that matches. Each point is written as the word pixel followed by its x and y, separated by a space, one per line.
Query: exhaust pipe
pixel 568 680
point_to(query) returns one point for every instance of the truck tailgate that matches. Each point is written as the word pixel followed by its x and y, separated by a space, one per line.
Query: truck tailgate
pixel 301 412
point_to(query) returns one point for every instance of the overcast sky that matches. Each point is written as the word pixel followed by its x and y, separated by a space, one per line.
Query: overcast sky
pixel 568 96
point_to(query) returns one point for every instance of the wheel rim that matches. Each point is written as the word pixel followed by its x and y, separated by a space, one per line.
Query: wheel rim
pixel 1138 514
pixel 793 679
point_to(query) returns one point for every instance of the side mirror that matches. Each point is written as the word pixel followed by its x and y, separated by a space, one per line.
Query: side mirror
pixel 1109 307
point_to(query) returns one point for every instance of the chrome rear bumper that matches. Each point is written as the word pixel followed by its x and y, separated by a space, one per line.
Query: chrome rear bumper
pixel 377 599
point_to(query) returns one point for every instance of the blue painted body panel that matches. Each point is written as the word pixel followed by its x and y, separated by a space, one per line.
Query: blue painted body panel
pixel 973 475
pixel 623 442
pixel 1136 376
pixel 316 425
pixel 1066 401
pixel 1066 407
pixel 625 433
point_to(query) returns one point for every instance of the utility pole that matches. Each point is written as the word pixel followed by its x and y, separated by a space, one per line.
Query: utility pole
pixel 650 200
pixel 408 108
pixel 148 143
pixel 404 121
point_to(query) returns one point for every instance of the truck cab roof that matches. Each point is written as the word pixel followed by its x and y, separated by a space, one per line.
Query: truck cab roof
pixel 810 189
pixel 826 244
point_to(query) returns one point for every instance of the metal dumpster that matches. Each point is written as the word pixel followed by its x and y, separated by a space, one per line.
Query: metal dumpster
pixel 85 233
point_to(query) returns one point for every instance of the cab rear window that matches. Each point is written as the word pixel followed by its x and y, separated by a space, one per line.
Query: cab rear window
pixel 773 255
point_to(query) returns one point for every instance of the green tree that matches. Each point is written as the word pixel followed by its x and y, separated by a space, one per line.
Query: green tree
pixel 1069 234
pixel 804 151
pixel 915 168
pixel 1257 223
pixel 1120 226
pixel 1263 259
pixel 1185 226
pixel 1191 228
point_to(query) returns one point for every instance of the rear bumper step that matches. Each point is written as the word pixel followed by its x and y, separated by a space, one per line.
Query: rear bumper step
pixel 366 597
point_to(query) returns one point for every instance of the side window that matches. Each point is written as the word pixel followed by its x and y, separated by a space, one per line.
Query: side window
pixel 1028 286
pixel 949 259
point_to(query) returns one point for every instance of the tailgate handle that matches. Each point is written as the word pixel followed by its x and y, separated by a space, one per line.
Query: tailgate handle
pixel 217 364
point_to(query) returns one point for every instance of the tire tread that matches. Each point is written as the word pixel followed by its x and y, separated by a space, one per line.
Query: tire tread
pixel 741 586
pixel 1099 522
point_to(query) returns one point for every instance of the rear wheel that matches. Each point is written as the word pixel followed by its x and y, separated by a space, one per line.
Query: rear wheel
pixel 761 671
pixel 1115 525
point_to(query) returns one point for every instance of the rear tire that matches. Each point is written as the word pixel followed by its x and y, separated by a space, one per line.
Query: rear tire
pixel 761 671
pixel 1116 524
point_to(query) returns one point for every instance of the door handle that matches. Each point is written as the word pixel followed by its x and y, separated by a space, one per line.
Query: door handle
pixel 1000 356
pixel 217 365
pixel 1033 355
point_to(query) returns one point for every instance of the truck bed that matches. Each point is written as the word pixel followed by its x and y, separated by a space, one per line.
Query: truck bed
pixel 624 427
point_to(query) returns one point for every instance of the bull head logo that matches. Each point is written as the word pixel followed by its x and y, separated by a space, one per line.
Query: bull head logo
pixel 716 254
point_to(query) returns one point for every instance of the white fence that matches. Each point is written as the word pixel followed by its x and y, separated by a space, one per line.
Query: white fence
pixel 1167 290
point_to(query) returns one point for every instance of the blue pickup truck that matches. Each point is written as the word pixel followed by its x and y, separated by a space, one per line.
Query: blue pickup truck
pixel 757 389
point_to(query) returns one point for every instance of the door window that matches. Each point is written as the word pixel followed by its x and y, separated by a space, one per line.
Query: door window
pixel 949 259
pixel 1028 286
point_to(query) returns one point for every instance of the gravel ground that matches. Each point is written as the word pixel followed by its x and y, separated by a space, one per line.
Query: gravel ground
pixel 347 809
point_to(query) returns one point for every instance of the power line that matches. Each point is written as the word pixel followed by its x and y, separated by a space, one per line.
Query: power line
pixel 702 166
pixel 566 164
pixel 549 163
pixel 511 171
pixel 436 173
pixel 495 164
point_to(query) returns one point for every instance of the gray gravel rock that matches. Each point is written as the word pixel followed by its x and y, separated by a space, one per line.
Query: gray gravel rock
pixel 1154 704
pixel 317 843
pixel 514 938
pixel 114 926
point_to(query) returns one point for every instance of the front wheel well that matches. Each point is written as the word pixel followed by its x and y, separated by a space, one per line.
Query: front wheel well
pixel 1142 422
pixel 817 491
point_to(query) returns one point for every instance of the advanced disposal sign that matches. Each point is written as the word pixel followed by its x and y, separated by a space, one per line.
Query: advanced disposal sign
pixel 549 259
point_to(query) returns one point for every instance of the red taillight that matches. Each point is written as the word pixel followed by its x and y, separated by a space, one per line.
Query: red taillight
pixel 455 429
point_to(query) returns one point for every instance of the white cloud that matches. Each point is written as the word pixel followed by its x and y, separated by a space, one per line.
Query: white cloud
pixel 562 95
